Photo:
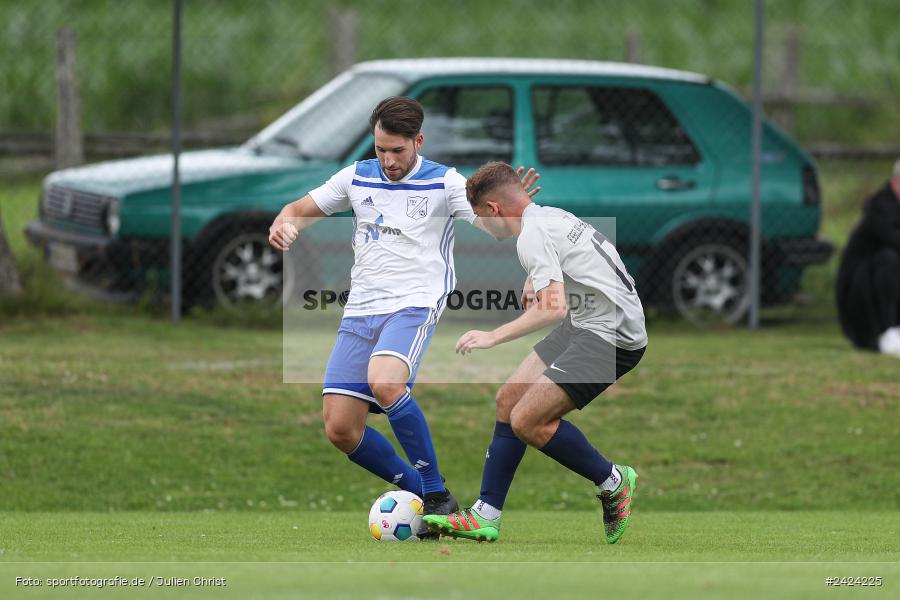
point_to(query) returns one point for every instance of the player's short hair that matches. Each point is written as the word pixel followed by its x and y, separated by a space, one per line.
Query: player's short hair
pixel 398 115
pixel 488 178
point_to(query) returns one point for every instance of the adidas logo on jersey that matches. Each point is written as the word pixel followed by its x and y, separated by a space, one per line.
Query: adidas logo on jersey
pixel 368 202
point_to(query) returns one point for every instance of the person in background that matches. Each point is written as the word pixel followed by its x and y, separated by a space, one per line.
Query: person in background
pixel 868 282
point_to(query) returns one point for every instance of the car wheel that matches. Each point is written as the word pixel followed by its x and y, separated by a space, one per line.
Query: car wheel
pixel 246 270
pixel 710 284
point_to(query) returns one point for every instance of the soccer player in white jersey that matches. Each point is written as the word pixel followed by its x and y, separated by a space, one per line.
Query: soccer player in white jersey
pixel 403 207
pixel 600 338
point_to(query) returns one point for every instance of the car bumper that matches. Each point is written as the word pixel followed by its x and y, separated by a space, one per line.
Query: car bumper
pixel 803 252
pixel 96 260
pixel 66 250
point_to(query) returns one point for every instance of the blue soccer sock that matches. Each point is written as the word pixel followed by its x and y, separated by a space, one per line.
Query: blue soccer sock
pixel 570 448
pixel 376 454
pixel 500 464
pixel 412 432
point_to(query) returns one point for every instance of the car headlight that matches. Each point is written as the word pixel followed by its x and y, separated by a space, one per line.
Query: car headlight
pixel 112 217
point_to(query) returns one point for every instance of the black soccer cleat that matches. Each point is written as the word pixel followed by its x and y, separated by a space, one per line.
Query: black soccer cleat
pixel 437 503
pixel 440 503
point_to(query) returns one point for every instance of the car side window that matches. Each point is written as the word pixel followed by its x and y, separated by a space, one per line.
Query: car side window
pixel 601 125
pixel 467 125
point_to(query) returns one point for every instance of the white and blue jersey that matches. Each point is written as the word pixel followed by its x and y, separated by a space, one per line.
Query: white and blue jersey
pixel 403 233
pixel 403 265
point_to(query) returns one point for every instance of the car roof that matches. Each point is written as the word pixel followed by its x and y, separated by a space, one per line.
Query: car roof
pixel 416 68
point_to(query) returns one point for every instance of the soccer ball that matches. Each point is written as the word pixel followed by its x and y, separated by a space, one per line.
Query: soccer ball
pixel 396 517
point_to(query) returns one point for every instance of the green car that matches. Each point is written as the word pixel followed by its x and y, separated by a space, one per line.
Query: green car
pixel 664 152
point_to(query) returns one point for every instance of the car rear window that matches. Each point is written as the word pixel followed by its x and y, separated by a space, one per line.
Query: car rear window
pixel 604 125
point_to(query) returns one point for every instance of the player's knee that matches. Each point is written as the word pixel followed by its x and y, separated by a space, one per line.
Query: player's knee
pixel 505 402
pixel 386 393
pixel 344 436
pixel 523 425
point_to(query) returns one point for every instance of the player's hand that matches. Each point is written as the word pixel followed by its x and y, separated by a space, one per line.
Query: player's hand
pixel 529 179
pixel 282 235
pixel 527 298
pixel 475 340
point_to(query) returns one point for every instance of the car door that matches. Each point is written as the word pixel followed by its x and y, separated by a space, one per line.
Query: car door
pixel 617 150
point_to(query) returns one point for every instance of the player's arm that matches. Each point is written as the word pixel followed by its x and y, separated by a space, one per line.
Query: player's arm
pixel 550 307
pixel 331 197
pixel 293 217
pixel 527 298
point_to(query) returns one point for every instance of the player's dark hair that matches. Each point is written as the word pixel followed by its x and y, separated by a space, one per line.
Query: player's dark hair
pixel 489 177
pixel 398 115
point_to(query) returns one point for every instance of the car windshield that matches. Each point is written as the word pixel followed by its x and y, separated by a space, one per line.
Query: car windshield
pixel 326 123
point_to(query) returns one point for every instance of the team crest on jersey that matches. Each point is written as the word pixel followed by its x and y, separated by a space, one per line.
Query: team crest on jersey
pixel 416 207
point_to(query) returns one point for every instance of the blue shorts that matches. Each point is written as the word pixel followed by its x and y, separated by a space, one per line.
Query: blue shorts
pixel 403 334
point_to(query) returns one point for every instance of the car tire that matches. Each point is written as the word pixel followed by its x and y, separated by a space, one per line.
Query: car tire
pixel 707 282
pixel 244 274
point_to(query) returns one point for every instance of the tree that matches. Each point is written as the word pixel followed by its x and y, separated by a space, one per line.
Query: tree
pixel 9 276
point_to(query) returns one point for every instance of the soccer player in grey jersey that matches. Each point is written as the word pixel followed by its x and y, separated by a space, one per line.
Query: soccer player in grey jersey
pixel 575 276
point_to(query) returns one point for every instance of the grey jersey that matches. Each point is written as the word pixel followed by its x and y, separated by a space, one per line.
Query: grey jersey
pixel 555 245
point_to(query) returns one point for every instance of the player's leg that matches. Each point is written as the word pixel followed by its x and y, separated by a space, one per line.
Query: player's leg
pixel 346 402
pixel 537 419
pixel 586 369
pixel 345 426
pixel 482 521
pixel 392 368
pixel 506 449
pixel 345 421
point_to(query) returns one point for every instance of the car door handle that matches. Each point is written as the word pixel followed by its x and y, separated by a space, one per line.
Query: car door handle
pixel 673 183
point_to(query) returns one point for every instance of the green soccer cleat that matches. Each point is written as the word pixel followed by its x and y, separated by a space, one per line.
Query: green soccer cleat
pixel 465 524
pixel 617 505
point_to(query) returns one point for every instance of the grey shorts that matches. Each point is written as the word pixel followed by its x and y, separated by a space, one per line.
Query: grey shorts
pixel 582 363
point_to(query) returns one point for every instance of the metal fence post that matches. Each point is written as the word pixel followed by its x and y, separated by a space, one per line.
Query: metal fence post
pixel 756 158
pixel 175 236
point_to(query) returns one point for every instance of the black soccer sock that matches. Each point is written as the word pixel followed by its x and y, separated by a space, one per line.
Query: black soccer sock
pixel 570 448
pixel 500 464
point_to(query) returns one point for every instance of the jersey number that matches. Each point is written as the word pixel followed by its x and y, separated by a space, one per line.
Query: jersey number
pixel 598 240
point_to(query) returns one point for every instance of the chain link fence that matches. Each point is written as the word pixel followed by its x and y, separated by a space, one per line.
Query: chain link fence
pixel 659 141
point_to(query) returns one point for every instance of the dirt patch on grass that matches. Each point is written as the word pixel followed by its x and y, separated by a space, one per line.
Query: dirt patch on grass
pixel 864 395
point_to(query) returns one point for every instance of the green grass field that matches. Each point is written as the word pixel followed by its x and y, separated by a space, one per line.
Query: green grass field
pixel 199 420
pixel 304 555
pixel 177 451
